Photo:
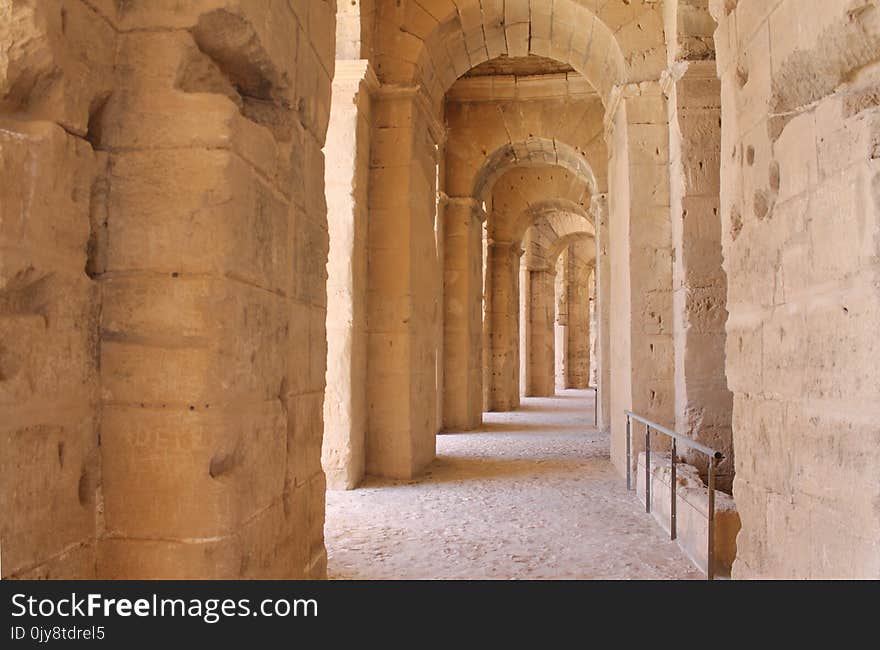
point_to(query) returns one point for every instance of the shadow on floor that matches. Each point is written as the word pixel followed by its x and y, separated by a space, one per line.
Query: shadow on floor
pixel 520 427
pixel 455 469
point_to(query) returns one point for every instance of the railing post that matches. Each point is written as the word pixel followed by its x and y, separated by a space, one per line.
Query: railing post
pixel 647 468
pixel 596 407
pixel 714 458
pixel 629 463
pixel 710 552
pixel 672 529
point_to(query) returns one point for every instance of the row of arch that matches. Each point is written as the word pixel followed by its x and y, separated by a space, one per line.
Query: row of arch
pixel 449 210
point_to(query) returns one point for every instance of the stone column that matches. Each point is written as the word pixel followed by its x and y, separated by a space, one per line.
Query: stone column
pixel 462 322
pixel 577 341
pixel 561 289
pixel 346 179
pixel 213 341
pixel 599 209
pixel 540 381
pixel 594 329
pixel 503 324
pixel 51 180
pixel 523 319
pixel 405 303
pixel 703 404
pixel 641 263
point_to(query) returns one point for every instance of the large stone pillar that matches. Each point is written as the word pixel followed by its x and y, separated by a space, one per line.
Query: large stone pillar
pixel 703 403
pixel 800 209
pixel 540 376
pixel 599 209
pixel 641 263
pixel 346 178
pixel 213 341
pixel 51 179
pixel 503 323
pixel 405 298
pixel 462 322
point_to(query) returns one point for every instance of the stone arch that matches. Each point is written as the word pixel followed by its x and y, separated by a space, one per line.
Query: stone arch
pixel 508 129
pixel 533 152
pixel 433 43
pixel 522 193
pixel 554 294
pixel 519 196
pixel 563 216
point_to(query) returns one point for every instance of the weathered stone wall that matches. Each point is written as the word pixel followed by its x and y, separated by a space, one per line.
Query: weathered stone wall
pixel 56 69
pixel 800 207
pixel 208 235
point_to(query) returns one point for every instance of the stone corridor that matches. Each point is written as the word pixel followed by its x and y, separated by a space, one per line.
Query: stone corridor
pixel 532 494
pixel 261 256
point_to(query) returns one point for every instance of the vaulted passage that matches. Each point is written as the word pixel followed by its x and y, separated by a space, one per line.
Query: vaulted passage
pixel 270 268
pixel 531 494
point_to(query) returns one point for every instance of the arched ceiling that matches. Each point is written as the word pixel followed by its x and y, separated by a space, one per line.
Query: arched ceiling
pixel 522 194
pixel 533 152
pixel 434 42
pixel 552 232
pixel 485 137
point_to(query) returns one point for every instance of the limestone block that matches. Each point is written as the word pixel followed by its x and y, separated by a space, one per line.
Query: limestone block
pixel 44 213
pixel 77 563
pixel 304 430
pixel 57 62
pixel 50 481
pixel 168 331
pixel 202 477
pixel 273 543
pixel 692 508
pixel 48 322
pixel 169 559
pixel 226 219
pixel 753 78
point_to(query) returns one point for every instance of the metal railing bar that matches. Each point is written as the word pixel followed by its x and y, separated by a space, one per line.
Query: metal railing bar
pixel 714 458
pixel 710 551
pixel 647 468
pixel 687 442
pixel 673 533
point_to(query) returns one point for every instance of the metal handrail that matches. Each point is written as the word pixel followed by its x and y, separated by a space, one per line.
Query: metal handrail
pixel 714 458
pixel 596 406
